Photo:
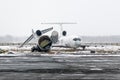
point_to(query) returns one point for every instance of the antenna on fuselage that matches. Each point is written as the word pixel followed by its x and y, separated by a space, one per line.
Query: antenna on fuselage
pixel 61 25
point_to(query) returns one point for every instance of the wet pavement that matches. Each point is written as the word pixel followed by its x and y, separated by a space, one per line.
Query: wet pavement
pixel 60 66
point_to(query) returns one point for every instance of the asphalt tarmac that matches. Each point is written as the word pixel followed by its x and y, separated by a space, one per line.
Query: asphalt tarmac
pixel 79 66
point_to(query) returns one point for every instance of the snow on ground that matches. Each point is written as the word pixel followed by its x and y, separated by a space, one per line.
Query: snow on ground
pixel 88 49
pixel 14 49
pixel 106 48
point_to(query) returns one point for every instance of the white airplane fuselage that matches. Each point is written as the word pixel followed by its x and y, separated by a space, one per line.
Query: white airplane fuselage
pixel 70 41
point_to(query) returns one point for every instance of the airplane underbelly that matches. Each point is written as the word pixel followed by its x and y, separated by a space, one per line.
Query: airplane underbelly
pixel 75 44
pixel 70 44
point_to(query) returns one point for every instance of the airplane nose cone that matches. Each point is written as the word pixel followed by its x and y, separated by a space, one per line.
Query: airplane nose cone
pixel 77 43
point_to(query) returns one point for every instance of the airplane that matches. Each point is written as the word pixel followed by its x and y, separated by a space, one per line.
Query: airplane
pixel 72 41
pixel 45 42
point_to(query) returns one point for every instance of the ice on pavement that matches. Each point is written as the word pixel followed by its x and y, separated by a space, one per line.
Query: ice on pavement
pixel 28 48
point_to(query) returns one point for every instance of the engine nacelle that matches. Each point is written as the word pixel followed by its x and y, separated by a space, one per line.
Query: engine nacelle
pixel 64 33
pixel 54 36
pixel 44 44
pixel 38 33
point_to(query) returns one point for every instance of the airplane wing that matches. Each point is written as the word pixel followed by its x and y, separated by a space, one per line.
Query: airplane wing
pixel 46 30
pixel 60 46
pixel 26 41
pixel 63 46
pixel 32 36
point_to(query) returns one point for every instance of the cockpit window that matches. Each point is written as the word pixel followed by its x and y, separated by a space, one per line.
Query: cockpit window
pixel 77 39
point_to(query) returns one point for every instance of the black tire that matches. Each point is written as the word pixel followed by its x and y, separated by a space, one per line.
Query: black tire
pixel 33 49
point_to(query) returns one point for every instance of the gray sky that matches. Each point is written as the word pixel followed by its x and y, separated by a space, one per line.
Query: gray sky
pixel 93 17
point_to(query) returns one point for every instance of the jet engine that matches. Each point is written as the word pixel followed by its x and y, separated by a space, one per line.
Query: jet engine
pixel 64 33
pixel 44 44
pixel 54 36
pixel 38 33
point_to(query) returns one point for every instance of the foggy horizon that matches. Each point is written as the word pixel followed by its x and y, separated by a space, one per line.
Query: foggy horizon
pixel 93 17
pixel 85 39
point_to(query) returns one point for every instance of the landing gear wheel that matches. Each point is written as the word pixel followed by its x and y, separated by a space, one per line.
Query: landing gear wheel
pixel 33 49
pixel 83 47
